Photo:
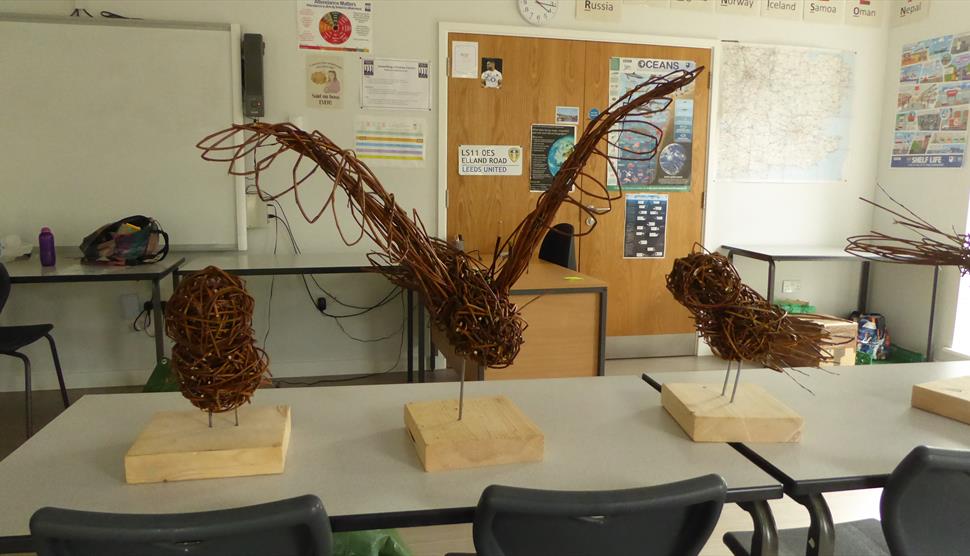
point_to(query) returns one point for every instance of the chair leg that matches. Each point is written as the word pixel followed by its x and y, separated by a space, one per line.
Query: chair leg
pixel 57 367
pixel 27 394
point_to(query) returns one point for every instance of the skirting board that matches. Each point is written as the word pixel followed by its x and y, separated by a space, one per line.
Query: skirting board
pixel 707 416
pixel 492 431
pixel 179 445
pixel 949 398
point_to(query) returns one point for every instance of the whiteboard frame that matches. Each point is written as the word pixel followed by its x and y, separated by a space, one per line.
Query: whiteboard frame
pixel 235 57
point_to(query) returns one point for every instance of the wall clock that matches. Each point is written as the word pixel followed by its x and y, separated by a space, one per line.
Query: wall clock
pixel 538 12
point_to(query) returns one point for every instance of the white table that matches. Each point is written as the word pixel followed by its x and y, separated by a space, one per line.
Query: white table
pixel 350 448
pixel 69 268
pixel 778 253
pixel 858 426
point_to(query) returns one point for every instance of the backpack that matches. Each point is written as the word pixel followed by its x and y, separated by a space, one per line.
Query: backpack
pixel 130 241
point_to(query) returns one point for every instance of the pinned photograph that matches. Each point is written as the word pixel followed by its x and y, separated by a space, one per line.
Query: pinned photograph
pixel 492 73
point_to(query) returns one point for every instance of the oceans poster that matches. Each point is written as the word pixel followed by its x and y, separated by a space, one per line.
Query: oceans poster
pixel 932 103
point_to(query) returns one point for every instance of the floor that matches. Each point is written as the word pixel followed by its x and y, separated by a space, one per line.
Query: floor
pixel 435 541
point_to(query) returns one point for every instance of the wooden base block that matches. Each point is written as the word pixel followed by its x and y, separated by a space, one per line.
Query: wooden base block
pixel 492 431
pixel 949 398
pixel 179 445
pixel 707 416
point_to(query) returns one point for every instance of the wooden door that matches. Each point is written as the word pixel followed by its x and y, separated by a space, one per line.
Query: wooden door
pixel 537 76
pixel 639 304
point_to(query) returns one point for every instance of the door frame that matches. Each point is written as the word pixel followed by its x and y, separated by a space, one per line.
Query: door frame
pixel 444 73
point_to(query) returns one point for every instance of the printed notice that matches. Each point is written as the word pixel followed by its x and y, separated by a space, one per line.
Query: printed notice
pixel 782 9
pixel 464 59
pixel 599 10
pixel 324 82
pixel 932 103
pixel 738 7
pixel 698 5
pixel 343 25
pixel 397 142
pixel 551 146
pixel 669 168
pixel 825 11
pixel 388 84
pixel 865 12
pixel 910 11
pixel 645 229
pixel 567 115
pixel 489 160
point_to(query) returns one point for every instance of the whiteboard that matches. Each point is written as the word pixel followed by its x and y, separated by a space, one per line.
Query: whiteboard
pixel 99 120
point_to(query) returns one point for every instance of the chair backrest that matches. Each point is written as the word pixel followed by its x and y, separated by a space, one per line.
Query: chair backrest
pixel 926 503
pixel 559 247
pixel 672 519
pixel 297 526
pixel 4 286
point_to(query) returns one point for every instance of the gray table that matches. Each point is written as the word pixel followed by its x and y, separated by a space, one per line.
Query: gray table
pixel 69 268
pixel 858 426
pixel 242 263
pixel 778 253
pixel 349 447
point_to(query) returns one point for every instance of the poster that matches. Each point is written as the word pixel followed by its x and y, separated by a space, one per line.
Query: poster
pixel 551 146
pixel 825 11
pixel 645 226
pixel 343 25
pixel 932 103
pixel 388 84
pixel 669 169
pixel 782 9
pixel 567 115
pixel 324 81
pixel 397 142
pixel 464 59
pixel 489 160
pixel 909 11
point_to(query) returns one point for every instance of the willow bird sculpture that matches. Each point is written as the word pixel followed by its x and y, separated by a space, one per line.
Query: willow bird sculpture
pixel 737 322
pixel 215 358
pixel 467 300
pixel 928 245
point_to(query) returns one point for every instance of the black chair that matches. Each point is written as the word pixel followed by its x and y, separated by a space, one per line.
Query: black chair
pixel 854 538
pixel 294 527
pixel 926 503
pixel 559 247
pixel 15 338
pixel 672 519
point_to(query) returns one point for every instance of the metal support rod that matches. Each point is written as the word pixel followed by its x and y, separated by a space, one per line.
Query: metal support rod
pixel 929 334
pixel 210 419
pixel 237 416
pixel 737 378
pixel 726 377
pixel 461 390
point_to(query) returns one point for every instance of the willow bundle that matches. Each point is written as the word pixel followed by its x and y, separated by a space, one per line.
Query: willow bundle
pixel 929 246
pixel 467 300
pixel 215 358
pixel 737 322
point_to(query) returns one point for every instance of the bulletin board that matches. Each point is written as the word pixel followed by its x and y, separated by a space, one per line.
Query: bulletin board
pixel 100 121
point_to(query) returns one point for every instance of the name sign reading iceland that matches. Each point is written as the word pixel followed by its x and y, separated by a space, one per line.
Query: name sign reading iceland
pixel 489 160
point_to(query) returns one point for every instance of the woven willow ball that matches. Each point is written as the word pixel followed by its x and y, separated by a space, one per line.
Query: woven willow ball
pixel 215 358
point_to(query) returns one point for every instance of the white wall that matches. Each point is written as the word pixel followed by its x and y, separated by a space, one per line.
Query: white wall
pixel 940 196
pixel 97 349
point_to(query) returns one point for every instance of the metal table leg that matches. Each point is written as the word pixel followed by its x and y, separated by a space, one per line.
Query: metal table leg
pixel 410 334
pixel 764 541
pixel 821 531
pixel 421 341
pixel 929 334
pixel 771 281
pixel 159 321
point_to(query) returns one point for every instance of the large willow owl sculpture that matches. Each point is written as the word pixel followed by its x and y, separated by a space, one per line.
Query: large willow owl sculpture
pixel 468 300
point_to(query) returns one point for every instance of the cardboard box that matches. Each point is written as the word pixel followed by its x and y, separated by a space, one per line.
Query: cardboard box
pixel 845 333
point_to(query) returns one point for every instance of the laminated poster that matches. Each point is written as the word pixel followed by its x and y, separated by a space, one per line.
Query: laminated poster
pixel 551 146
pixel 669 169
pixel 645 229
pixel 324 82
pixel 387 84
pixel 342 25
pixel 932 103
pixel 397 142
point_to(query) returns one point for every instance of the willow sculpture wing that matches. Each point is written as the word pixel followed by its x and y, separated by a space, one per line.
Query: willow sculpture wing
pixel 467 300
pixel 737 322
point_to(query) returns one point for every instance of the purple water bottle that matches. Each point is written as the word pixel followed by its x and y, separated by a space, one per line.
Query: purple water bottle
pixel 47 255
